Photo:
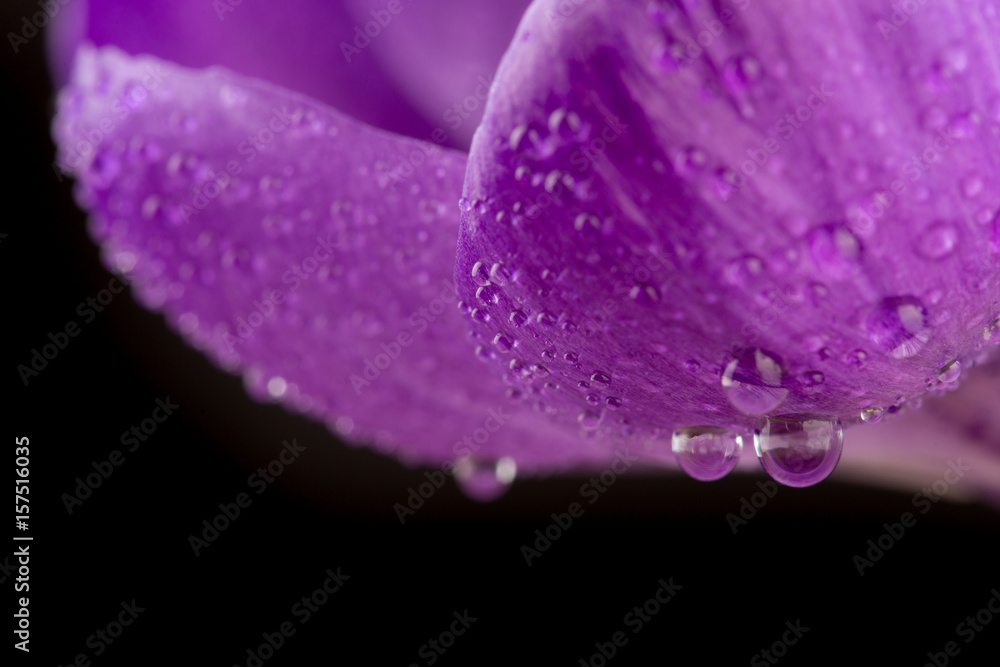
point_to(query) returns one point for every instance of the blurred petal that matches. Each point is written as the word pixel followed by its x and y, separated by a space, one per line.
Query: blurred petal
pixel 443 54
pixel 798 219
pixel 294 44
pixel 956 433
pixel 310 252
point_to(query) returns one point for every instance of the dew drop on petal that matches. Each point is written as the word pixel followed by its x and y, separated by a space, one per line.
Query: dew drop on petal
pixel 950 372
pixel 752 382
pixel 589 419
pixel 898 325
pixel 484 481
pixel 872 415
pixel 835 249
pixel 480 275
pixel 937 241
pixel 707 453
pixel 799 450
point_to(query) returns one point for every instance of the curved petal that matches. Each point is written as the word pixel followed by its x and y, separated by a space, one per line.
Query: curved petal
pixel 443 54
pixel 697 215
pixel 953 442
pixel 294 44
pixel 307 251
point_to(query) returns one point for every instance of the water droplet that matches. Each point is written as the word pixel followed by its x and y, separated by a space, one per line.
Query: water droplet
pixel 899 326
pixel 812 378
pixel 644 294
pixel 589 419
pixel 857 358
pixel 600 377
pixel 503 343
pixel 799 450
pixel 835 249
pixel 613 402
pixel 991 333
pixel 872 415
pixel 479 274
pixel 500 274
pixel 689 161
pixel 744 270
pixel 517 318
pixel 972 186
pixel 752 382
pixel 546 318
pixel 707 453
pixel 276 387
pixel 950 372
pixel 937 241
pixel 483 481
pixel 486 294
pixel 740 73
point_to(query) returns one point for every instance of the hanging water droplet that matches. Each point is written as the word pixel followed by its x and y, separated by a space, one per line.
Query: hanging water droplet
pixel 899 326
pixel 484 481
pixel 706 453
pixel 872 415
pixel 752 382
pixel 950 372
pixel 799 450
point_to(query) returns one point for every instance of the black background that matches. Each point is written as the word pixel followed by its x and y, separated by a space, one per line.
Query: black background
pixel 333 508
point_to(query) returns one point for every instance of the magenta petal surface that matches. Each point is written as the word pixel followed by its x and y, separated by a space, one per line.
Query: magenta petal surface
pixel 274 234
pixel 798 217
pixel 294 44
pixel 443 54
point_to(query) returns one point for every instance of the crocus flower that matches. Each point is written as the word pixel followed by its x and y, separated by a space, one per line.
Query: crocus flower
pixel 679 224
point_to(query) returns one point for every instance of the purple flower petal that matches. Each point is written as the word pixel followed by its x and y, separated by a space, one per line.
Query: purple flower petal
pixel 303 249
pixel 443 54
pixel 293 44
pixel 795 218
